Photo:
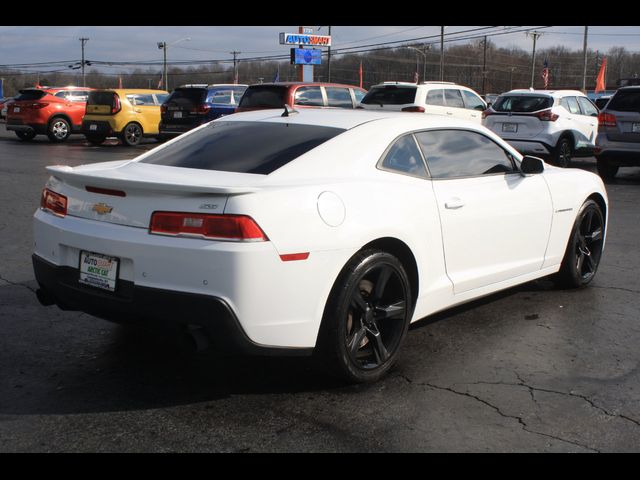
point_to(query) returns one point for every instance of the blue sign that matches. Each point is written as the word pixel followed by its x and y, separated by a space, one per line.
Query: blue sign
pixel 306 56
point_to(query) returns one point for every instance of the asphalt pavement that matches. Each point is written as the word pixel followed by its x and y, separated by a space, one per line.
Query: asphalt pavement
pixel 531 369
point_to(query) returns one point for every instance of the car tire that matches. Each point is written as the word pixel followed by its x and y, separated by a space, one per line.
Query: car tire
pixel 58 130
pixel 584 248
pixel 562 153
pixel 131 134
pixel 605 169
pixel 26 136
pixel 96 139
pixel 366 318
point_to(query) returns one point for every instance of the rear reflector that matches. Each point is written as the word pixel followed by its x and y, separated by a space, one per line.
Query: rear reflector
pixel 53 202
pixel 105 191
pixel 222 227
pixel 290 257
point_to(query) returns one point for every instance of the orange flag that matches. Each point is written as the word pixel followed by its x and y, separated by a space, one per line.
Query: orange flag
pixel 600 81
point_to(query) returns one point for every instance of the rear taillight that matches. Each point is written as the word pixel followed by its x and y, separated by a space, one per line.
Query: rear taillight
pixel 39 105
pixel 607 120
pixel 163 109
pixel 116 107
pixel 413 109
pixel 53 202
pixel 546 116
pixel 222 227
pixel 202 109
pixel 487 112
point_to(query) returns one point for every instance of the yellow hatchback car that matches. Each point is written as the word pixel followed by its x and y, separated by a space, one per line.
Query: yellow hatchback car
pixel 126 113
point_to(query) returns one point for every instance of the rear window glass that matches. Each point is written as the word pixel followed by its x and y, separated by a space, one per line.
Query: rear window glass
pixel 101 98
pixel 187 97
pixel 242 147
pixel 267 96
pixel 390 95
pixel 522 103
pixel 625 101
pixel 31 95
pixel 227 96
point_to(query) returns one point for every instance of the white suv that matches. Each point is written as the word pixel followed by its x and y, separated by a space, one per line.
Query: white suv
pixel 441 98
pixel 559 124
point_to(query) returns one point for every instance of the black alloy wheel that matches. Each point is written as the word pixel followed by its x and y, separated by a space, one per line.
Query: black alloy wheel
pixel 367 317
pixel 26 136
pixel 563 153
pixel 132 134
pixel 584 250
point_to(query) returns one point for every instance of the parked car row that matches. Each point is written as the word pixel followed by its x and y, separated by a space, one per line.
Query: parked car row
pixel 556 124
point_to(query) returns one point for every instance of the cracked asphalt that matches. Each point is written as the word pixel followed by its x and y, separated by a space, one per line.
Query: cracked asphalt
pixel 531 369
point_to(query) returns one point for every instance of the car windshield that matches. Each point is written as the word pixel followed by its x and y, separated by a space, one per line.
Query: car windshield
pixel 390 95
pixel 242 147
pixel 522 103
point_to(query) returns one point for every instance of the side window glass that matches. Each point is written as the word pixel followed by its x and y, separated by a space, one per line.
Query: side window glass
pixel 472 101
pixel 453 98
pixel 572 103
pixel 309 96
pixel 338 97
pixel 359 94
pixel 435 97
pixel 588 108
pixel 462 153
pixel 404 157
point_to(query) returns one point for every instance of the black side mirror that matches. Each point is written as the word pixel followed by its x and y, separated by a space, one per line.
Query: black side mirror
pixel 531 165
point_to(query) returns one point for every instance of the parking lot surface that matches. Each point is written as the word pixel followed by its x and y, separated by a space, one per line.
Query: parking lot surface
pixel 531 369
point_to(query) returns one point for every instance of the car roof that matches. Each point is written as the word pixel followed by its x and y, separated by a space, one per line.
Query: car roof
pixel 305 84
pixel 125 91
pixel 551 93
pixel 347 118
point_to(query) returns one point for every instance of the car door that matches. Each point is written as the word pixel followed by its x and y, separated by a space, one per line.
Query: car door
pixel 147 112
pixel 583 127
pixel 435 103
pixel 455 104
pixel 495 223
pixel 474 104
pixel 589 118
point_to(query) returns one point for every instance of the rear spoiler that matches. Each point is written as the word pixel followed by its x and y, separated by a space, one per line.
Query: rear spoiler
pixel 113 177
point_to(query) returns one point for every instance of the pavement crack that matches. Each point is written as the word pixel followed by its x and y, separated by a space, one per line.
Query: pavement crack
pixel 630 290
pixel 17 284
pixel 519 419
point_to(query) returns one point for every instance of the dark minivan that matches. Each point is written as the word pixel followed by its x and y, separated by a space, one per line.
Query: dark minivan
pixel 189 106
pixel 618 141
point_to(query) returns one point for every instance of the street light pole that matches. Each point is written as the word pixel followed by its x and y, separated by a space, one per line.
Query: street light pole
pixel 535 36
pixel 584 53
pixel 163 46
pixel 424 54
pixel 442 53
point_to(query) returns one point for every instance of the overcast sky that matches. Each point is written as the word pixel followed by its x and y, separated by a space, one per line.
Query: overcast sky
pixel 24 44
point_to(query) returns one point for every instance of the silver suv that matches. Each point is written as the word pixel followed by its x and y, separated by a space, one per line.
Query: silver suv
pixel 558 124
pixel 618 142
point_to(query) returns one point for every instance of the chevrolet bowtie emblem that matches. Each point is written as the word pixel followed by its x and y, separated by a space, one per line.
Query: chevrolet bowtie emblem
pixel 102 208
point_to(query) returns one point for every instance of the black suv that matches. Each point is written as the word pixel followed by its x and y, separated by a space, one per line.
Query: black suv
pixel 189 106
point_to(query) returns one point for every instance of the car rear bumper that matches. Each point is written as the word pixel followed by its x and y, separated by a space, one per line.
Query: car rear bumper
pixel 16 126
pixel 622 153
pixel 277 304
pixel 151 307
pixel 97 127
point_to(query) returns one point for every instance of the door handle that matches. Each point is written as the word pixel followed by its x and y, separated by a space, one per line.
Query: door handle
pixel 449 113
pixel 137 110
pixel 454 203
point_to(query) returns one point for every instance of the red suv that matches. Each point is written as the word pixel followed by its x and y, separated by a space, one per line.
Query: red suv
pixel 53 111
pixel 300 94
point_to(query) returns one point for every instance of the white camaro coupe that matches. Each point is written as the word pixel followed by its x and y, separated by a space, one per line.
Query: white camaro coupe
pixel 319 231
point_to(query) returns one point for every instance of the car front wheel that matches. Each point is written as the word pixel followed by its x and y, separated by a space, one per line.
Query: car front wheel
pixel 562 154
pixel 366 318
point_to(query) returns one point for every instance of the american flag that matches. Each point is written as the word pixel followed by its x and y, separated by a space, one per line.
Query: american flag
pixel 545 74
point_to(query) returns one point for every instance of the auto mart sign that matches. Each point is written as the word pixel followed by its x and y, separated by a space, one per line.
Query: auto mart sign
pixel 305 39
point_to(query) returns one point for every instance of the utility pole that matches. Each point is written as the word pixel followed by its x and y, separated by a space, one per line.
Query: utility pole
pixel 535 36
pixel 584 53
pixel 513 69
pixel 83 40
pixel 235 67
pixel 484 66
pixel 442 53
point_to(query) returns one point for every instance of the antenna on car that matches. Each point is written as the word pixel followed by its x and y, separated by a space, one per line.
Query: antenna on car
pixel 288 110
